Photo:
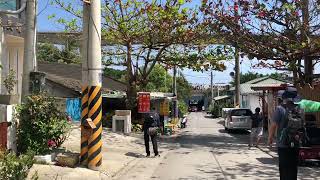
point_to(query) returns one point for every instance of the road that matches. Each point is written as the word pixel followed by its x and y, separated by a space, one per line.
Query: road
pixel 205 151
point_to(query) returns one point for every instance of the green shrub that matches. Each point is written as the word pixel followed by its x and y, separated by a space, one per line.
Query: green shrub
pixel 183 108
pixel 14 167
pixel 42 126
pixel 136 128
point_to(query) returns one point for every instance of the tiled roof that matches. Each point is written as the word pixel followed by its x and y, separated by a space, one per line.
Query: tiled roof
pixel 69 75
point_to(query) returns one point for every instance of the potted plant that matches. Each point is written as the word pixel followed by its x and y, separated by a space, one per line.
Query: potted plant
pixel 9 82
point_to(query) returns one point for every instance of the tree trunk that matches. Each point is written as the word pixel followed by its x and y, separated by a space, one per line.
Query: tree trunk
pixel 131 84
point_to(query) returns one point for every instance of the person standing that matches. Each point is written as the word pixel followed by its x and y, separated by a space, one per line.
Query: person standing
pixel 287 150
pixel 150 129
pixel 257 128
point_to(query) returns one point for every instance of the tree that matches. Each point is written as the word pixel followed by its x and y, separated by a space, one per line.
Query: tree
pixel 68 54
pixel 159 80
pixel 114 73
pixel 184 89
pixel 246 77
pixel 142 33
pixel 285 31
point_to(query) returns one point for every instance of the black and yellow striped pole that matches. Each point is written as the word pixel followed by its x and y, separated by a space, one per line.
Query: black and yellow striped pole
pixel 95 113
pixel 94 82
pixel 84 116
pixel 85 89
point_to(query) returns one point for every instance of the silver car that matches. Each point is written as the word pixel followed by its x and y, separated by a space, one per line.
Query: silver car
pixel 238 118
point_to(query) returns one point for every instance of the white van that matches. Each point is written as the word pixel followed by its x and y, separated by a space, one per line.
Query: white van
pixel 237 118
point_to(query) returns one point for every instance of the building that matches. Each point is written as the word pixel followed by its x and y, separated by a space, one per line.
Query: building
pixel 63 81
pixel 11 45
pixel 250 98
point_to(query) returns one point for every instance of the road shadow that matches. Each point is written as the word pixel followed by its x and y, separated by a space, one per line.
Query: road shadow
pixel 135 155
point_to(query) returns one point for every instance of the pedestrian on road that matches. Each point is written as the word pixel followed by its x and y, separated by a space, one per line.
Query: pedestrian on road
pixel 150 128
pixel 288 155
pixel 256 128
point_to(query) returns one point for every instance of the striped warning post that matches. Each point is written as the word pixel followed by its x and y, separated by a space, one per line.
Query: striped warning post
pixel 95 113
pixel 84 116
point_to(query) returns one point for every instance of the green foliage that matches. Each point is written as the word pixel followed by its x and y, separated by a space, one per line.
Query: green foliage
pixel 216 110
pixel 282 31
pixel 13 167
pixel 69 54
pixel 136 128
pixel 183 108
pixel 42 126
pixel 246 77
pixel 10 81
pixel 164 32
pixel 184 89
pixel 113 73
pixel 159 80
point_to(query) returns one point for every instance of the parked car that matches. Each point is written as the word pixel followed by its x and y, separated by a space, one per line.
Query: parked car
pixel 237 118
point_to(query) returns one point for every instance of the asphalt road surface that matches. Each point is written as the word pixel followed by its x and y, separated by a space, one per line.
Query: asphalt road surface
pixel 204 150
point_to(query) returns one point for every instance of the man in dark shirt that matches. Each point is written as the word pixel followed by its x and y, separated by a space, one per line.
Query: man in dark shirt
pixel 257 127
pixel 288 157
pixel 151 119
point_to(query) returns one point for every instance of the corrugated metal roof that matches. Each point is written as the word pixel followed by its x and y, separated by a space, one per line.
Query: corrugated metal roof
pixel 220 97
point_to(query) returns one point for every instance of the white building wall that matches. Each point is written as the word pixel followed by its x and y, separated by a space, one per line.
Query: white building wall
pixel 11 57
pixel 254 102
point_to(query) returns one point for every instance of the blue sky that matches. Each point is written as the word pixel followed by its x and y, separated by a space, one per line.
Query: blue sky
pixel 46 9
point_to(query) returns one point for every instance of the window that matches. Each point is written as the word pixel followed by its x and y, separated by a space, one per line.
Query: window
pixel 8 4
pixel 244 102
pixel 241 112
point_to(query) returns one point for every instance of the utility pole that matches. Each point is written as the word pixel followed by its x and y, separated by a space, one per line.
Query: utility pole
pixel 211 87
pixel 29 50
pixel 95 80
pixel 85 88
pixel 237 65
pixel 175 102
pixel 237 77
pixel 308 61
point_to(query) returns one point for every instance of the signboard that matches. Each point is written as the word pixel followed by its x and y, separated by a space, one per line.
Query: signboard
pixel 164 108
pixel 143 102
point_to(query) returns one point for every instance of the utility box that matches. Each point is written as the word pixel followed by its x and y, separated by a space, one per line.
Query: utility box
pixel 121 121
pixel 37 82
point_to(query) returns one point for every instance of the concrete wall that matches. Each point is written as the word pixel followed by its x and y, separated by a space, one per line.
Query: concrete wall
pixel 11 54
pixel 250 101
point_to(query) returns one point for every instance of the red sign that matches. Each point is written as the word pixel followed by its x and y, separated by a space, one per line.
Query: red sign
pixel 144 102
pixel 3 135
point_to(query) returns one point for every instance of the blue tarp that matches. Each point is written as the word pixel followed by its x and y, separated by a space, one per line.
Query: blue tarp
pixel 73 108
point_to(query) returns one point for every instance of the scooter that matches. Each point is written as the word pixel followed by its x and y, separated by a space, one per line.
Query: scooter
pixel 184 122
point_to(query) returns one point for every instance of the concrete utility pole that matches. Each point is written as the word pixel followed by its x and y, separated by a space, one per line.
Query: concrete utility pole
pixel 237 67
pixel 85 89
pixel 237 77
pixel 29 50
pixel 95 82
pixel 175 102
pixel 211 87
